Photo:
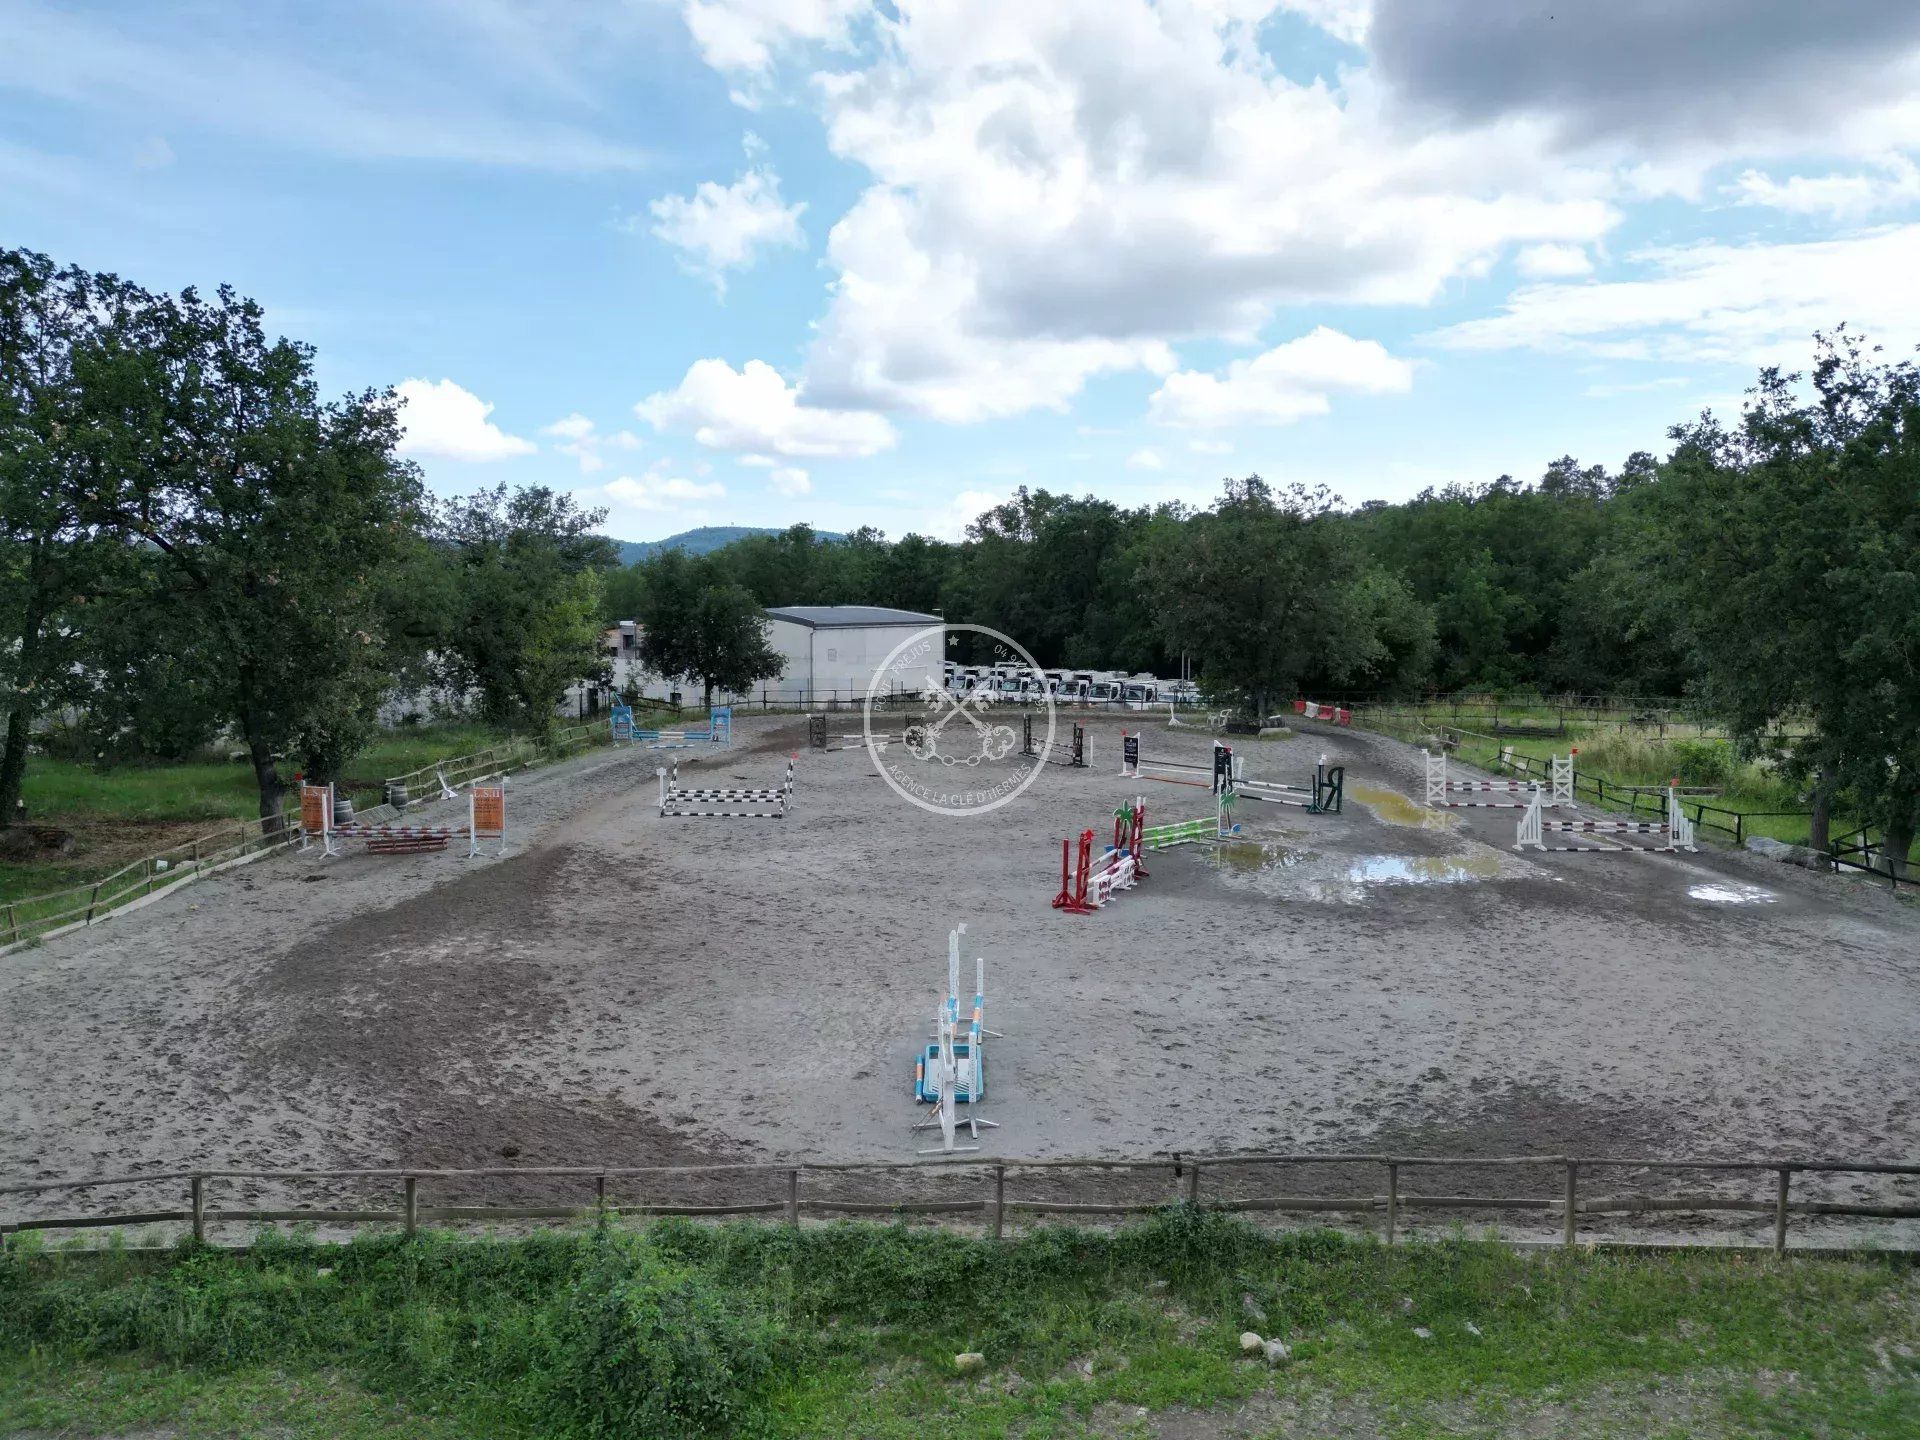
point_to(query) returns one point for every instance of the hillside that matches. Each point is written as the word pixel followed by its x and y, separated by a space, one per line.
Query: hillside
pixel 701 541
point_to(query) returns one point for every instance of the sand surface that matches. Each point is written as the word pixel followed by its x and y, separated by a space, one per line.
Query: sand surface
pixel 623 988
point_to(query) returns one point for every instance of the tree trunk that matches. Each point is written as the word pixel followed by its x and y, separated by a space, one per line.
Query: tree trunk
pixel 13 763
pixel 1899 842
pixel 1819 824
pixel 272 791
pixel 707 695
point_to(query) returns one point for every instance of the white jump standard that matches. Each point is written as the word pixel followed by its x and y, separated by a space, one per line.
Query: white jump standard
pixel 1676 829
pixel 952 1071
pixel 1440 789
pixel 693 802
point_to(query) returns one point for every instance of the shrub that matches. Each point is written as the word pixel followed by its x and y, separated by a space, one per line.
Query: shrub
pixel 650 1349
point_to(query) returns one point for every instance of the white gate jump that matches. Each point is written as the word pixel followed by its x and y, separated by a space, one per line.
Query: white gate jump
pixel 1214 776
pixel 691 802
pixel 1440 789
pixel 1676 829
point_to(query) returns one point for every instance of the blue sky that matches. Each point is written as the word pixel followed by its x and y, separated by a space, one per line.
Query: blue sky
pixel 764 261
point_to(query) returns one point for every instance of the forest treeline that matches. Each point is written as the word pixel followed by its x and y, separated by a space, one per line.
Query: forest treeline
pixel 195 543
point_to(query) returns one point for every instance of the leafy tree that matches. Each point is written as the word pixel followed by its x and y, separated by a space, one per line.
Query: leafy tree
pixel 1271 590
pixel 63 344
pixel 700 625
pixel 1795 541
pixel 524 565
pixel 270 514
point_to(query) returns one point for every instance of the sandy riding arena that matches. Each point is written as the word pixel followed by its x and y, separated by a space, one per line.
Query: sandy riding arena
pixel 624 988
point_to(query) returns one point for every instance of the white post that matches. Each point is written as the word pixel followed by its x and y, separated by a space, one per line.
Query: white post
pixel 1679 827
pixel 1562 766
pixel 1529 831
pixel 473 835
pixel 661 771
pixel 1436 777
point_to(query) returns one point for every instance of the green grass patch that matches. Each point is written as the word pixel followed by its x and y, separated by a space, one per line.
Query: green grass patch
pixel 688 1330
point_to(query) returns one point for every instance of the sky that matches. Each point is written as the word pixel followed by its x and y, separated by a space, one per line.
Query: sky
pixel 850 263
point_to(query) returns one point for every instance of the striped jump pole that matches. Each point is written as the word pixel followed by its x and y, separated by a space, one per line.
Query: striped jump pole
pixel 1677 829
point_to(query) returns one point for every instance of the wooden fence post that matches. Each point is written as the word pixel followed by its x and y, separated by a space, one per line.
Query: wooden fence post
pixel 197 1196
pixel 1393 1197
pixel 1573 1185
pixel 600 1200
pixel 1785 1179
pixel 13 924
pixel 412 1205
pixel 999 1202
pixel 92 900
pixel 793 1198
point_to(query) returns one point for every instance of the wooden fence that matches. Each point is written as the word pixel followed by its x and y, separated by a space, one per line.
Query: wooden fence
pixel 38 917
pixel 1181 1179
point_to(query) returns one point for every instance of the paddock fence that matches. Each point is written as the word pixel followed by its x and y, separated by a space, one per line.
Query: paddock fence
pixel 40 917
pixel 1859 851
pixel 993 1192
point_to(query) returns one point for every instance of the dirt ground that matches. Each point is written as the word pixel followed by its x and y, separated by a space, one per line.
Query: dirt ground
pixel 626 989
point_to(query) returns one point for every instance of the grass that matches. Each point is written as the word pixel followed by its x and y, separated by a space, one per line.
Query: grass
pixel 688 1330
pixel 1627 755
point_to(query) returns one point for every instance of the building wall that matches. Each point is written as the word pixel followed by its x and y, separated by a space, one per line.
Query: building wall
pixel 840 663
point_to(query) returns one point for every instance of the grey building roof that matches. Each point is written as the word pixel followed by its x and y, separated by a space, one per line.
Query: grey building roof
pixel 848 617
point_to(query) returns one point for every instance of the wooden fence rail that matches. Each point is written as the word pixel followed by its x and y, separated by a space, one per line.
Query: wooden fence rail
pixel 1185 1173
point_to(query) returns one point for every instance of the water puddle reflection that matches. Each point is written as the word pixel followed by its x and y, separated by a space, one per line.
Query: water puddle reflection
pixel 1396 809
pixel 1728 892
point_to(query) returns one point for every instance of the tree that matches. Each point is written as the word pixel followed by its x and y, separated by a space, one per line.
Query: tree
pixel 1272 591
pixel 527 600
pixel 62 345
pixel 271 514
pixel 1795 542
pixel 699 625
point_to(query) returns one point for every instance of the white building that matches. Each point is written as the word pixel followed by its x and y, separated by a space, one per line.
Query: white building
pixel 833 652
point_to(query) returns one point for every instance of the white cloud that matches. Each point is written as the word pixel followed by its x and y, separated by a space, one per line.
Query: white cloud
pixel 569 427
pixel 753 409
pixel 790 480
pixel 1065 190
pixel 1839 196
pixel 659 490
pixel 745 35
pixel 1210 447
pixel 1741 304
pixel 725 227
pixel 576 435
pixel 1146 459
pixel 447 422
pixel 1282 385
pixel 1553 262
pixel 1343 19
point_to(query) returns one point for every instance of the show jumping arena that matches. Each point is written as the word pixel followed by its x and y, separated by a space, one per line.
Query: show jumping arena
pixel 624 988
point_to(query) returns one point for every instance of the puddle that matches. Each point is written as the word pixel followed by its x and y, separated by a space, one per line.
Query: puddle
pixel 1253 856
pixel 1727 892
pixel 1396 809
pixel 1423 869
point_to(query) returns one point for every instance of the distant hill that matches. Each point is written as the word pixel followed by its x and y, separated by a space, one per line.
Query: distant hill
pixel 699 542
